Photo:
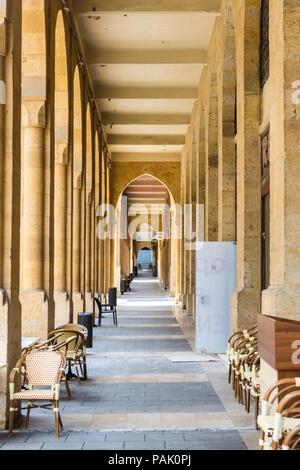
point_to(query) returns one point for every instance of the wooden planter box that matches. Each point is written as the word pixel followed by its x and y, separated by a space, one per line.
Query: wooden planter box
pixel 279 342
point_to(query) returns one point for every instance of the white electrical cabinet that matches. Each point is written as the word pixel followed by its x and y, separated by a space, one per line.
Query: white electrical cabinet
pixel 215 280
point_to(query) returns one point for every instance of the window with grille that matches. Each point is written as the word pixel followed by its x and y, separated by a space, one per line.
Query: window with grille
pixel 264 43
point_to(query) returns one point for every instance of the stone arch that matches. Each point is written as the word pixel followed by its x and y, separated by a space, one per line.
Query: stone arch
pixel 33 49
pixel 61 82
pixel 120 186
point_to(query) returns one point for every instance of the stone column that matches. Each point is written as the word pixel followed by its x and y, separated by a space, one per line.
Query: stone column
pixel 32 296
pixel 226 204
pixel 61 297
pixel 282 298
pixel 246 299
pixel 10 192
pixel 102 242
pixel 183 241
pixel 211 165
pixel 89 251
pixel 193 202
pixel 77 243
pixel 188 224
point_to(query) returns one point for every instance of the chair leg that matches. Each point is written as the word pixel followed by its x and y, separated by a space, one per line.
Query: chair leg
pixel 27 417
pixel 67 388
pixel 242 395
pixel 256 401
pixel 261 439
pixel 233 379
pixel 116 317
pixel 60 421
pixel 245 395
pixel 85 368
pixel 229 374
pixel 56 413
pixel 11 417
pixel 77 373
pixel 248 401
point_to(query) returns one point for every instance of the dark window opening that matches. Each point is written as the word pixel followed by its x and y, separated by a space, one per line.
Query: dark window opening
pixel 264 43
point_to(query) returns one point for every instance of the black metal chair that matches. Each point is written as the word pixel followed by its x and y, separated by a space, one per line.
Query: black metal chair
pixel 111 307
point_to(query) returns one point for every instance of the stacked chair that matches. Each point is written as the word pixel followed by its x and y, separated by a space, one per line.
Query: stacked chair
pixel 292 440
pixel 279 420
pixel 244 368
pixel 42 368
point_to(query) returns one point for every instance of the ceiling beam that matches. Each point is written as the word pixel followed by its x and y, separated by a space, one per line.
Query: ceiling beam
pixel 115 139
pixel 136 188
pixel 91 6
pixel 152 93
pixel 159 56
pixel 134 118
pixel 146 157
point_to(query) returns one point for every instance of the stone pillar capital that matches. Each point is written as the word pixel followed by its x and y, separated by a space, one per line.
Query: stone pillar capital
pixel 62 152
pixel 33 112
pixel 77 178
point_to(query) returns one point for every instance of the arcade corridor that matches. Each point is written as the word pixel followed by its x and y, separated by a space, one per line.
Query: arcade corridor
pixel 138 396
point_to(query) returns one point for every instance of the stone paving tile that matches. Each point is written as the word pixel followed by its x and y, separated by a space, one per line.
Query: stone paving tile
pixel 144 446
pixel 24 446
pixel 85 437
pixel 126 436
pixel 63 445
pixel 179 445
pixel 90 445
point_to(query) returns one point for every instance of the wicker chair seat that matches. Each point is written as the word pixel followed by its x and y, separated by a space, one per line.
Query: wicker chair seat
pixel 34 395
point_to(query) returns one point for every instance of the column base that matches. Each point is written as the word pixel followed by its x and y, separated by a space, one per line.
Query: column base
pixel 191 305
pixel 34 314
pixel 244 308
pixel 77 305
pixel 184 301
pixel 62 308
pixel 89 302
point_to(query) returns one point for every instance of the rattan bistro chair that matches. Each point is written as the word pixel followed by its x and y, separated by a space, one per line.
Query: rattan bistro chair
pixel 75 354
pixel 43 369
pixel 82 349
pixel 276 424
pixel 53 345
pixel 292 440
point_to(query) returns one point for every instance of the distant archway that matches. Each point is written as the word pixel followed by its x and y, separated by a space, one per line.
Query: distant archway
pixel 145 259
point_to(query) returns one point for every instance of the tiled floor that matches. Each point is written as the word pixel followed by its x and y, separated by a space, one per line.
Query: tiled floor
pixel 137 396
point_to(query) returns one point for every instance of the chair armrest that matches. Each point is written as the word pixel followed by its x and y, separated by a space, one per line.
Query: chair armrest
pixel 48 342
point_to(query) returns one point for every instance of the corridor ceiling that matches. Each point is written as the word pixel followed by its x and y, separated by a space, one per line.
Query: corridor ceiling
pixel 145 58
pixel 146 190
